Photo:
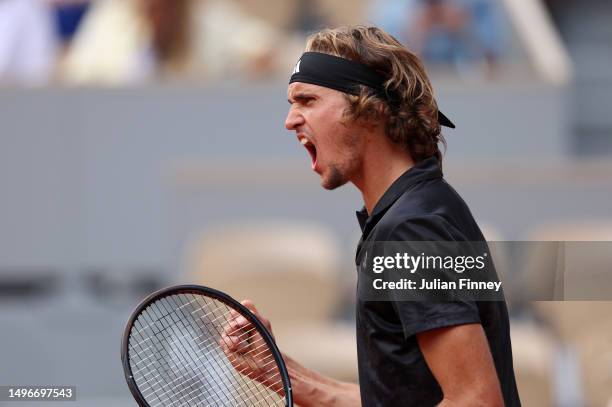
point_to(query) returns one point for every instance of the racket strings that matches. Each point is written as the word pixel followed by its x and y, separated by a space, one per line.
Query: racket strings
pixel 268 362
pixel 178 358
pixel 258 350
pixel 244 334
pixel 263 345
pixel 198 343
pixel 216 397
pixel 170 371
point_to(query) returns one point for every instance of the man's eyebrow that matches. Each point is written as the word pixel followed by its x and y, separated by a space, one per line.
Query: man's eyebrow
pixel 301 96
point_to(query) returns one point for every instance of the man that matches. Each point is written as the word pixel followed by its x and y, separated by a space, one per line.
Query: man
pixel 362 106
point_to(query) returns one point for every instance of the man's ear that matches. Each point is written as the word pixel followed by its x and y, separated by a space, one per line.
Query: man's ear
pixel 372 124
pixel 373 117
pixel 369 115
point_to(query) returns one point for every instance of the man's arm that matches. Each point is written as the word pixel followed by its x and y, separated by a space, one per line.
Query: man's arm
pixel 308 387
pixel 312 389
pixel 460 359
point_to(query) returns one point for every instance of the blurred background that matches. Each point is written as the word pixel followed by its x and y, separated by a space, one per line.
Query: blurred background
pixel 142 145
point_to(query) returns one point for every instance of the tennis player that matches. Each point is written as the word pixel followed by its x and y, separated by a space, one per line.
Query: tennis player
pixel 363 107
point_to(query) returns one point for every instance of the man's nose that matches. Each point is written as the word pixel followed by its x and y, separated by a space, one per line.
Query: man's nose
pixel 293 120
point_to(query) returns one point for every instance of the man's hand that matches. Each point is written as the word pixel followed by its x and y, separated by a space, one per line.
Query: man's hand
pixel 247 351
pixel 249 355
pixel 460 359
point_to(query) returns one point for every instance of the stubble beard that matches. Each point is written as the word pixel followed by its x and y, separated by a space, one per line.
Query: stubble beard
pixel 336 178
pixel 340 173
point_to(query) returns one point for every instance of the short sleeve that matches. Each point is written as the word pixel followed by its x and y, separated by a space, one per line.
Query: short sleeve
pixel 418 316
pixel 421 316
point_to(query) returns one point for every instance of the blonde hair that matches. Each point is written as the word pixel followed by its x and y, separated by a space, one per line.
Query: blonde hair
pixel 409 111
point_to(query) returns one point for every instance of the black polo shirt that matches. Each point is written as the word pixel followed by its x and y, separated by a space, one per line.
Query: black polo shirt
pixel 420 206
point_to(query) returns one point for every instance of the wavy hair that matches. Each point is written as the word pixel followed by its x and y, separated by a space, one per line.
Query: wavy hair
pixel 409 111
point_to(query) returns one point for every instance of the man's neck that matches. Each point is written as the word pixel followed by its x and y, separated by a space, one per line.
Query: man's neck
pixel 382 165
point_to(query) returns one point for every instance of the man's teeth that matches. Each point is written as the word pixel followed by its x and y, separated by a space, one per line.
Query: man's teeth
pixel 304 141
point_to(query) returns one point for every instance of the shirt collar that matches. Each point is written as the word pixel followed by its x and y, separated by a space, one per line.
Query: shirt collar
pixel 424 170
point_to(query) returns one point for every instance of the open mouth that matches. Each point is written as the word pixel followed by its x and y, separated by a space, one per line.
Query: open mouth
pixel 312 150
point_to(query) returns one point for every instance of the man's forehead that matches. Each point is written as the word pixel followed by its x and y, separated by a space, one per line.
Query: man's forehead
pixel 300 87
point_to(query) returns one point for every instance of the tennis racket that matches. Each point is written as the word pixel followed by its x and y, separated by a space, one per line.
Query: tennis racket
pixel 183 346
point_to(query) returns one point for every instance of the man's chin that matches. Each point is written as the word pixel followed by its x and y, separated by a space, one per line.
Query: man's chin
pixel 330 187
pixel 333 179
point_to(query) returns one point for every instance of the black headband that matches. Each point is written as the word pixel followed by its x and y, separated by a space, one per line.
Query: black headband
pixel 343 75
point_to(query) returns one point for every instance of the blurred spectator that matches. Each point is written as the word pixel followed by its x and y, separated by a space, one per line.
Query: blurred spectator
pixel 307 17
pixel 130 41
pixel 28 46
pixel 393 16
pixel 487 26
pixel 440 31
pixel 68 15
pixel 456 32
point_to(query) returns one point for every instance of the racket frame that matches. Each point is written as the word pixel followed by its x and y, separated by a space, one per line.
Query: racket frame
pixel 212 293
